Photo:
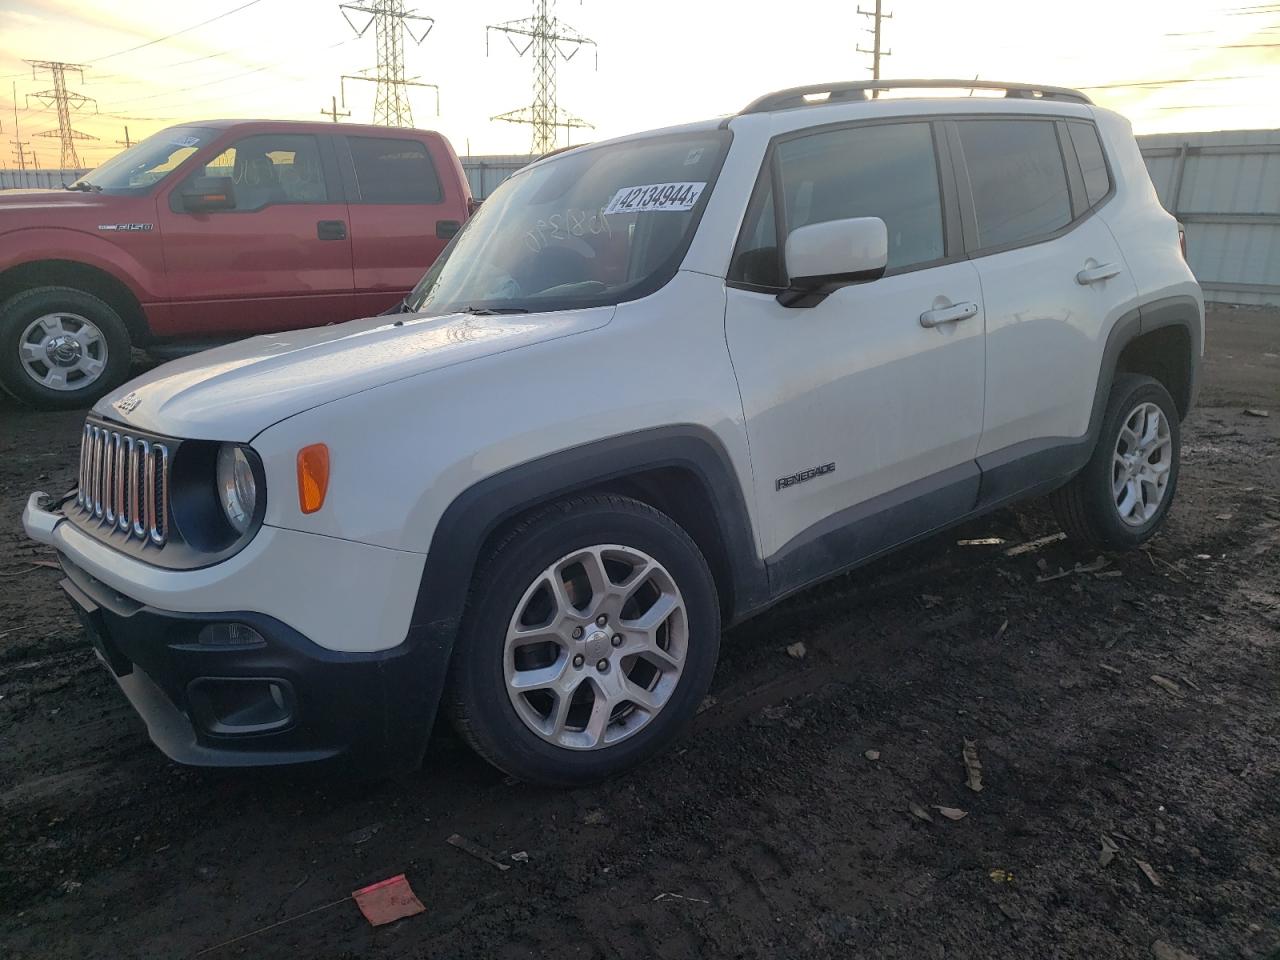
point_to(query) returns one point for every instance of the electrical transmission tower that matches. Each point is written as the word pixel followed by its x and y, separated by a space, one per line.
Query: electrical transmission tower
pixel 875 51
pixel 390 22
pixel 19 145
pixel 549 38
pixel 65 102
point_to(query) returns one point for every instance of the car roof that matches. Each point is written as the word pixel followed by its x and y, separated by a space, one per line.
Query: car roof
pixel 312 126
pixel 834 100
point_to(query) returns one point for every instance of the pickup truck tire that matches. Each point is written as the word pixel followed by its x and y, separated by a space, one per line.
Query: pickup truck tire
pixel 590 638
pixel 61 348
pixel 1123 493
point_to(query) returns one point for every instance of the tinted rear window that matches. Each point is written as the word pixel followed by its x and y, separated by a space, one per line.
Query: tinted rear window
pixel 1018 179
pixel 394 171
pixel 1092 163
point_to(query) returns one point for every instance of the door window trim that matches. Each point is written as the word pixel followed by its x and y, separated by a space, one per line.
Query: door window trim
pixel 948 198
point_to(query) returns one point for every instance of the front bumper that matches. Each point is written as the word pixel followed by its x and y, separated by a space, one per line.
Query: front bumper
pixel 283 700
pixel 341 670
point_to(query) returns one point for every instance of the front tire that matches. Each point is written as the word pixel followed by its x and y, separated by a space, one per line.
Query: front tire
pixel 1121 497
pixel 590 638
pixel 61 348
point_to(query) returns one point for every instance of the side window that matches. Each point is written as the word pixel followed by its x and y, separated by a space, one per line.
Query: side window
pixel 1018 179
pixel 1084 137
pixel 394 171
pixel 270 169
pixel 883 170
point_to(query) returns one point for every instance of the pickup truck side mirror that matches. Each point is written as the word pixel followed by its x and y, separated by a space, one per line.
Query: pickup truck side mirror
pixel 205 194
pixel 822 257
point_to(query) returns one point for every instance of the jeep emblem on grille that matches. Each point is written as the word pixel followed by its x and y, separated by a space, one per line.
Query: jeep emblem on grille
pixel 128 402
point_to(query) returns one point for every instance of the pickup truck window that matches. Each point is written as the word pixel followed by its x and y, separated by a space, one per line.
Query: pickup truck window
pixel 147 162
pixel 394 171
pixel 268 169
pixel 592 227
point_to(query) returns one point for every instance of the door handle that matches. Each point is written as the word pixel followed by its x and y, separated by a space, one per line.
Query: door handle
pixel 447 229
pixel 951 314
pixel 1103 271
pixel 331 229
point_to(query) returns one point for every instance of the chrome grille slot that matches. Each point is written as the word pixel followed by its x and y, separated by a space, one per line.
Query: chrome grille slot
pixel 124 484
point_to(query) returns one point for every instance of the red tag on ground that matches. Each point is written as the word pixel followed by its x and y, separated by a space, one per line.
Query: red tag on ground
pixel 387 901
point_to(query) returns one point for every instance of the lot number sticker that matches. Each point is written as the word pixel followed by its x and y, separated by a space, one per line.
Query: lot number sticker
pixel 652 197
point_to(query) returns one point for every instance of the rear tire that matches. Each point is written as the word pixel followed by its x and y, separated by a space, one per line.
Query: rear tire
pixel 571 684
pixel 61 348
pixel 1121 497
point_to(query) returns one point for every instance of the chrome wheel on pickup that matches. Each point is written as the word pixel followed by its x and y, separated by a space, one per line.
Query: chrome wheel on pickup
pixel 590 637
pixel 61 348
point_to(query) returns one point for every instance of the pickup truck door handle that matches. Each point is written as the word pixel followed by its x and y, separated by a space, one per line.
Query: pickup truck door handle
pixel 951 314
pixel 1103 271
pixel 331 229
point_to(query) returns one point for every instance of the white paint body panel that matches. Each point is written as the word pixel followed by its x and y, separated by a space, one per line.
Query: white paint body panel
pixel 1046 333
pixel 859 382
pixel 1145 232
pixel 340 594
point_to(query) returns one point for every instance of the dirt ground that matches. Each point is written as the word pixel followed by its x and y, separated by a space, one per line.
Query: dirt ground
pixel 767 832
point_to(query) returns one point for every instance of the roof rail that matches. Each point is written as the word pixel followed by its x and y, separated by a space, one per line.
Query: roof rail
pixel 854 90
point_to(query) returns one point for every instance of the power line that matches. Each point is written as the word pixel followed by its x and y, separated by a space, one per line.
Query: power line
pixel 176 33
pixel 548 36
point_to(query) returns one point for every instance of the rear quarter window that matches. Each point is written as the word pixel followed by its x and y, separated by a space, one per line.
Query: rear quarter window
pixel 1093 165
pixel 392 170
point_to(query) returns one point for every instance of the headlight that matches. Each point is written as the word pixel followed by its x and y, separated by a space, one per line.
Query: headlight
pixel 237 490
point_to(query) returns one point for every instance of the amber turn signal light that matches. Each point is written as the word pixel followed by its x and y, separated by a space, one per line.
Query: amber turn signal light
pixel 313 477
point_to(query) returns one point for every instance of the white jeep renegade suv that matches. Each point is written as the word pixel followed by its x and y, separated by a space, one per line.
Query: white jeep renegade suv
pixel 653 386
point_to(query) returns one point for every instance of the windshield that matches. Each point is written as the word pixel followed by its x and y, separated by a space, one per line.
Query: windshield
pixel 591 228
pixel 147 162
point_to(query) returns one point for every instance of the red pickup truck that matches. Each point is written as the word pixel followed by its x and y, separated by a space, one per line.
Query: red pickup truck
pixel 212 231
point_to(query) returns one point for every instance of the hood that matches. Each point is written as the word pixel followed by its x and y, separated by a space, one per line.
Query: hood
pixel 56 199
pixel 236 391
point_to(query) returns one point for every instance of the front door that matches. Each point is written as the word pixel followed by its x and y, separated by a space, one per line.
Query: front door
pixel 864 412
pixel 279 260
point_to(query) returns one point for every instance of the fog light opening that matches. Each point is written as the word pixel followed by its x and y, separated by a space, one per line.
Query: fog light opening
pixel 229 635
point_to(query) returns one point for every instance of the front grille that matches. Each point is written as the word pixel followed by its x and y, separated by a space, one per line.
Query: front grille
pixel 124 484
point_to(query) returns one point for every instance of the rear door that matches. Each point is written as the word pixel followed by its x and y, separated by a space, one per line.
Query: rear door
pixel 281 259
pixel 404 207
pixel 1053 278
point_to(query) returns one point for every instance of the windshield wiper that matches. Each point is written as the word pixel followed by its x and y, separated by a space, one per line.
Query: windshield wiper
pixel 83 185
pixel 491 311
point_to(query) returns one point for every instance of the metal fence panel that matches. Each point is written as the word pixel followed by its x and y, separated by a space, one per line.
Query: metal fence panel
pixel 36 179
pixel 1225 189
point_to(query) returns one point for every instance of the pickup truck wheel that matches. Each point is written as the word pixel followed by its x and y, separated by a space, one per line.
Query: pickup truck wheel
pixel 61 348
pixel 1123 494
pixel 591 636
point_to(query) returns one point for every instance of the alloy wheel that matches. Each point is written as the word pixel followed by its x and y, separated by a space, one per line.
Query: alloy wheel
pixel 596 647
pixel 63 351
pixel 1140 464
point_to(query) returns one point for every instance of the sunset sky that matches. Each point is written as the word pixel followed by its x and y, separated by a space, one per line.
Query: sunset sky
pixel 1169 66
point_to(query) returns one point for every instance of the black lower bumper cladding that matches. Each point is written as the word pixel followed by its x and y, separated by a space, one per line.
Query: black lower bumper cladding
pixel 276 699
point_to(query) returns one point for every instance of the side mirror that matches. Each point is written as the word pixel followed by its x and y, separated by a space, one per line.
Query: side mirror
pixel 206 194
pixel 822 257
